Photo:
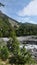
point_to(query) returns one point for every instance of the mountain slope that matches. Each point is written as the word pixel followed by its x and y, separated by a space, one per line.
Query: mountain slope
pixel 11 21
pixel 5 26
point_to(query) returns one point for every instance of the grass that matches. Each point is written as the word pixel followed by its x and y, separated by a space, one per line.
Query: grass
pixel 4 62
pixel 7 63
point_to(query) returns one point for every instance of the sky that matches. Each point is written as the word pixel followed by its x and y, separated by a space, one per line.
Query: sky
pixel 21 10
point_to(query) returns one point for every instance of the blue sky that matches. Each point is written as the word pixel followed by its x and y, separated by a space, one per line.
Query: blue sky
pixel 21 10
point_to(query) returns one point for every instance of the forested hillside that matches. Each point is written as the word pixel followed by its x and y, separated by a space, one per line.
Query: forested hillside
pixel 26 29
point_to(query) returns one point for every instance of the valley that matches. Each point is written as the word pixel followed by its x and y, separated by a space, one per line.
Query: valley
pixel 18 32
pixel 16 39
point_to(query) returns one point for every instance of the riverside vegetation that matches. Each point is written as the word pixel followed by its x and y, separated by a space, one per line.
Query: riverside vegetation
pixel 13 53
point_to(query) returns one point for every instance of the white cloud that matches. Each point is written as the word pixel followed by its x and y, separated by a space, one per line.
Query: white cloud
pixel 29 10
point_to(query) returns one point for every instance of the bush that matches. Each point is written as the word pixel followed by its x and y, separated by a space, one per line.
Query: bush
pixel 4 53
